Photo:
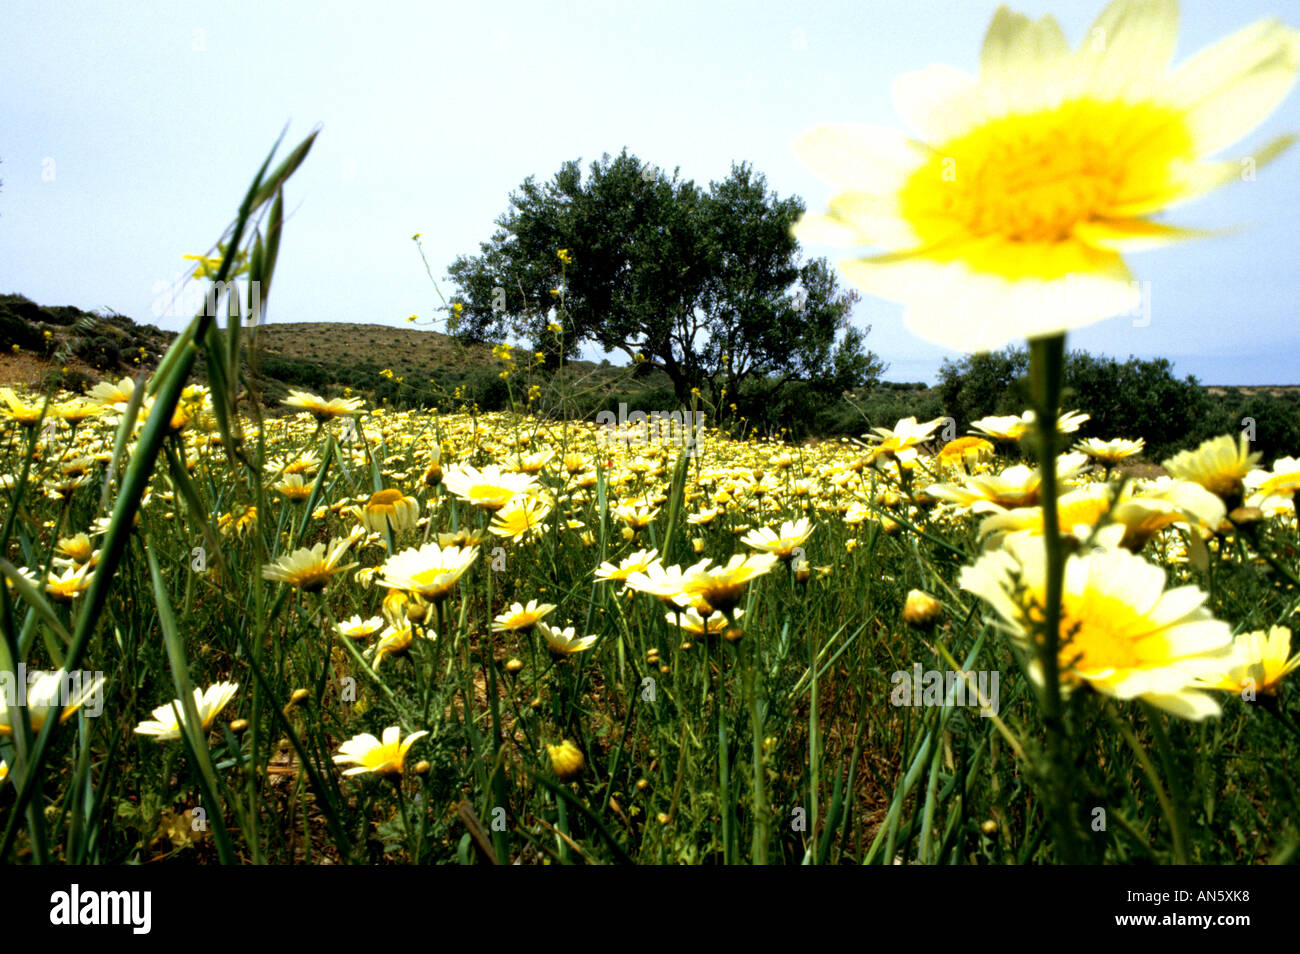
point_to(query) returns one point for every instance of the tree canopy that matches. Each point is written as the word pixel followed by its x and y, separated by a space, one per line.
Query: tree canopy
pixel 706 284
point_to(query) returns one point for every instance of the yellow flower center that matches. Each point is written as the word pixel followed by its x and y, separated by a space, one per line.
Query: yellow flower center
pixel 1031 178
pixel 384 501
pixel 1100 632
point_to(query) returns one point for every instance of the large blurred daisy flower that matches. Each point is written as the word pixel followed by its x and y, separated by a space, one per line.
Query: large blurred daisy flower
pixel 1025 184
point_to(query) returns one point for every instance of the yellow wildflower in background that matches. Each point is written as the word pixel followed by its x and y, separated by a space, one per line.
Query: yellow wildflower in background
pixel 1219 465
pixel 566 760
pixel 320 408
pixel 168 719
pixel 387 508
pixel 366 754
pixel 1258 663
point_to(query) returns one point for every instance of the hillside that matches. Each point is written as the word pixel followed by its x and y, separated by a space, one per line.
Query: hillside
pixel 77 348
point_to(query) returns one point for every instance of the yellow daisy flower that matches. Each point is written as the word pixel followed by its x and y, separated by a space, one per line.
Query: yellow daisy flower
pixel 520 617
pixel 1219 465
pixel 358 628
pixel 52 694
pixel 520 518
pixel 566 760
pixel 1258 663
pixel 792 536
pixel 638 562
pixel 429 572
pixel 369 755
pixel 310 569
pixel 168 719
pixel 1110 452
pixel 489 488
pixel 321 409
pixel 1122 632
pixel 387 508
pixel 902 439
pixel 965 452
pixel 709 588
pixel 566 641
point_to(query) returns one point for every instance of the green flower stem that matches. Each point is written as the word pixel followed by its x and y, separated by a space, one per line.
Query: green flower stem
pixel 1046 370
pixel 762 814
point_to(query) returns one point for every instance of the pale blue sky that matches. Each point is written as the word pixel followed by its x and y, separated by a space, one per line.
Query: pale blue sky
pixel 129 132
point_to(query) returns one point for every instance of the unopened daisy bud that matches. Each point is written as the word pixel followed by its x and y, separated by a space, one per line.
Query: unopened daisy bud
pixel 1246 515
pixel 238 726
pixel 989 827
pixel 697 544
pixel 642 785
pixel 802 572
pixel 921 610
pixel 663 818
pixel 665 670
pixel 733 634
pixel 422 767
pixel 514 665
pixel 628 533
pixel 889 526
pixel 298 697
pixel 433 475
pixel 566 760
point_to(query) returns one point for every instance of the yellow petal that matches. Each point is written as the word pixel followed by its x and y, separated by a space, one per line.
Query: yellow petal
pixel 1189 180
pixel 1132 235
pixel 813 229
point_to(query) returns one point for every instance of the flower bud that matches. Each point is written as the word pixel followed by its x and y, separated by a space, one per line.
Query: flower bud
pixel 922 610
pixel 566 760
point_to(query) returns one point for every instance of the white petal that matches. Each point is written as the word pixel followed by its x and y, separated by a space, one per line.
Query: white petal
pixel 1230 88
pixel 863 158
pixel 953 306
pixel 1129 47
pixel 814 229
pixel 1187 704
pixel 938 103
pixel 1024 64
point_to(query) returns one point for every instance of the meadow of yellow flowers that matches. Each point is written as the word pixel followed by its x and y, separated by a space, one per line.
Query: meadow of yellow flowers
pixel 340 633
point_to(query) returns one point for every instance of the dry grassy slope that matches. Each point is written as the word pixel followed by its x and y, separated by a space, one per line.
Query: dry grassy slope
pixel 407 351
